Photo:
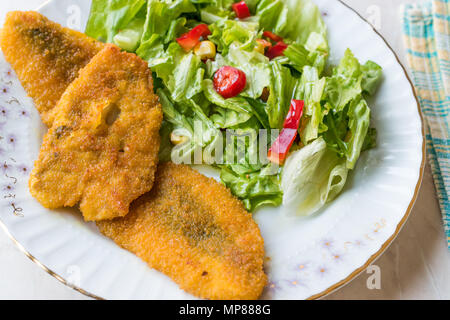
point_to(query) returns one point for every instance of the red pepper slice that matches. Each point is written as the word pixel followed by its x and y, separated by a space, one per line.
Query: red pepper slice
pixel 294 115
pixel 277 50
pixel 190 39
pixel 280 148
pixel 229 81
pixel 272 36
pixel 241 9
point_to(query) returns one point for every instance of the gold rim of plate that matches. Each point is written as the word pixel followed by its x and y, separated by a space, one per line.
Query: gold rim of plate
pixel 335 286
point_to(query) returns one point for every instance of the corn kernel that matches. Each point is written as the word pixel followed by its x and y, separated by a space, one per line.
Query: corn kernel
pixel 177 139
pixel 259 47
pixel 205 50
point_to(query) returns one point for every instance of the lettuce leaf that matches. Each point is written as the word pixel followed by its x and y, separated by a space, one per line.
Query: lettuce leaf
pixel 227 112
pixel 199 130
pixel 310 89
pixel 349 118
pixel 256 68
pixel 254 189
pixel 345 83
pixel 226 32
pixel 130 37
pixel 282 85
pixel 296 20
pixel 107 17
pixel 312 176
pixel 300 57
pixel 359 121
pixel 372 76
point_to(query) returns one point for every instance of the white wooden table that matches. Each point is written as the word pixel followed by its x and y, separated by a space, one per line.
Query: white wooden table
pixel 416 265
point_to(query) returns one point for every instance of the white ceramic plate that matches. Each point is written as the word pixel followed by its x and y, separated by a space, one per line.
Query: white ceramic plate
pixel 307 257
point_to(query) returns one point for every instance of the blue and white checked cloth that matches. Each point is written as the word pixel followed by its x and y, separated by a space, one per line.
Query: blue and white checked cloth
pixel 426 29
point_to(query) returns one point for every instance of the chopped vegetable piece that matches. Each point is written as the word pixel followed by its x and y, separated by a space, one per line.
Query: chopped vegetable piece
pixel 272 36
pixel 177 139
pixel 277 50
pixel 205 50
pixel 265 94
pixel 280 148
pixel 264 43
pixel 261 45
pixel 241 9
pixel 229 81
pixel 190 39
pixel 294 115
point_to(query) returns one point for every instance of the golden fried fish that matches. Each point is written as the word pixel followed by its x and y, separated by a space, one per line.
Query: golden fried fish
pixel 45 56
pixel 193 230
pixel 102 149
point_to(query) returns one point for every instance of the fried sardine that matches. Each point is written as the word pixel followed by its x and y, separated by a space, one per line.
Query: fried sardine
pixel 102 149
pixel 192 229
pixel 45 56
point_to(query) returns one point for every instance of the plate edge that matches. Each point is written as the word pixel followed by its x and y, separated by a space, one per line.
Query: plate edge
pixel 335 286
pixel 402 222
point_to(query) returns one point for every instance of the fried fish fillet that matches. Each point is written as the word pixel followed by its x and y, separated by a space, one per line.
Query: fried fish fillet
pixel 45 56
pixel 102 149
pixel 192 229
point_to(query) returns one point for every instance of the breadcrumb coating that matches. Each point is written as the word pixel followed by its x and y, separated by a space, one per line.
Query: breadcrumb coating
pixel 102 149
pixel 192 229
pixel 45 56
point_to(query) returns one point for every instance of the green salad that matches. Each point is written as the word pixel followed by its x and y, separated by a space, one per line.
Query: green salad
pixel 228 73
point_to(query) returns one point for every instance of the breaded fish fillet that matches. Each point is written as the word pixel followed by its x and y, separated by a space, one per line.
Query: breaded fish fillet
pixel 102 149
pixel 192 229
pixel 45 56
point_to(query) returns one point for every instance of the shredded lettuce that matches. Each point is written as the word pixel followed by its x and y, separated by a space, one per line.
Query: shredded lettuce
pixel 282 84
pixel 345 83
pixel 254 189
pixel 107 17
pixel 334 129
pixel 310 89
pixel 372 75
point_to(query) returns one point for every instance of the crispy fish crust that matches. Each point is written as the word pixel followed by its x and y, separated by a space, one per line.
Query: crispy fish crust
pixel 192 229
pixel 102 149
pixel 45 56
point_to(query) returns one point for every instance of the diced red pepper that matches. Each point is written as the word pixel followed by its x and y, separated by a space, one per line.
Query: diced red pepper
pixel 280 148
pixel 277 50
pixel 190 39
pixel 241 9
pixel 201 30
pixel 229 81
pixel 294 115
pixel 272 36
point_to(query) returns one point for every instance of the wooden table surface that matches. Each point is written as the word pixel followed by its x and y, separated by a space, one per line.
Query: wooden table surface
pixel 415 266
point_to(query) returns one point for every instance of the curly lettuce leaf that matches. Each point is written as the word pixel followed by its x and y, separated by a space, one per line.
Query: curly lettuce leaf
pixel 372 76
pixel 345 83
pixel 256 68
pixel 107 17
pixel 226 32
pixel 254 189
pixel 160 15
pixel 237 109
pixel 310 89
pixel 199 130
pixel 282 85
pixel 296 20
pixel 300 57
pixel 359 121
